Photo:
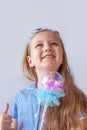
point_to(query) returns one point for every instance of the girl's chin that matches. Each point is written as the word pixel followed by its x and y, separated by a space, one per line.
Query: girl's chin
pixel 50 68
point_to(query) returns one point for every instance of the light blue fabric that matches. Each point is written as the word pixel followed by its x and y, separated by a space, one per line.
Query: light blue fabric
pixel 25 108
pixel 81 116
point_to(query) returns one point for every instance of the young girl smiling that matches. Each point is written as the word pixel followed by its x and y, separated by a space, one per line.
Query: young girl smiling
pixel 44 53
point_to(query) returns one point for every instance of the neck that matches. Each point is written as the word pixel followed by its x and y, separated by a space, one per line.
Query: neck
pixel 40 75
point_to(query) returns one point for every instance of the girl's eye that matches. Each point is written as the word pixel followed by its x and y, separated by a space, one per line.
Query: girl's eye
pixel 38 46
pixel 54 43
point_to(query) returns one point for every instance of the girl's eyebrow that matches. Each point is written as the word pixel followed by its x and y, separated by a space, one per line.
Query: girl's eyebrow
pixel 56 40
pixel 39 41
pixel 51 40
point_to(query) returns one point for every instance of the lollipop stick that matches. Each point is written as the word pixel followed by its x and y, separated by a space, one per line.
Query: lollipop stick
pixel 42 118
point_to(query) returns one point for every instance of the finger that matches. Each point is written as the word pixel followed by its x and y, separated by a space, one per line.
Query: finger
pixel 7 117
pixel 5 110
pixel 7 127
pixel 7 122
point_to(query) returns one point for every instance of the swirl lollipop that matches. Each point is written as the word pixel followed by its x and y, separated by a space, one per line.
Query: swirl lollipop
pixel 51 89
pixel 50 92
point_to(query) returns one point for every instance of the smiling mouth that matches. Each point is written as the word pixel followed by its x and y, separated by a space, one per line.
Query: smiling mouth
pixel 48 57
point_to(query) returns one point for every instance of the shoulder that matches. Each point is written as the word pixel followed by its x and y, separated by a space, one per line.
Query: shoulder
pixel 31 87
pixel 26 92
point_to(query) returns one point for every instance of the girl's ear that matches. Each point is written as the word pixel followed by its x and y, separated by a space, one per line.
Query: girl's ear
pixel 30 62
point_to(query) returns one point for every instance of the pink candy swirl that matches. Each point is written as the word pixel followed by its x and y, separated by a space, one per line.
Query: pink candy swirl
pixel 52 81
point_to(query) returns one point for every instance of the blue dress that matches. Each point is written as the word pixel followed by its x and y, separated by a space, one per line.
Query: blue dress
pixel 25 108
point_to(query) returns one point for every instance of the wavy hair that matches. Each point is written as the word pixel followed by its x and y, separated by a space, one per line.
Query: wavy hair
pixel 66 116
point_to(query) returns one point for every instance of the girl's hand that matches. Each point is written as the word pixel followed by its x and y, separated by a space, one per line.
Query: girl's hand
pixel 5 119
pixel 84 124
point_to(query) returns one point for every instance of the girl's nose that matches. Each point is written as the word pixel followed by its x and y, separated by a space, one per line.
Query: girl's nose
pixel 47 47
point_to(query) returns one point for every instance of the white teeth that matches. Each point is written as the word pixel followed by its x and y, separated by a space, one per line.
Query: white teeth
pixel 49 56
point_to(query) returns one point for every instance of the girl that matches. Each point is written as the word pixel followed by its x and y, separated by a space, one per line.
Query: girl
pixel 45 52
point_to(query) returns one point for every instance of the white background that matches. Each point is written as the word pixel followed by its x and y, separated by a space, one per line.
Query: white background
pixel 17 20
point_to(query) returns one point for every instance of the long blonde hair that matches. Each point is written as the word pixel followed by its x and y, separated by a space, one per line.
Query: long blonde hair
pixel 66 116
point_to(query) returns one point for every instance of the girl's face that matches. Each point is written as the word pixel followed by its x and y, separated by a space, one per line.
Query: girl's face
pixel 46 52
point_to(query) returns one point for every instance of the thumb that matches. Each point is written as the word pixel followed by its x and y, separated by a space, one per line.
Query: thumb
pixel 5 110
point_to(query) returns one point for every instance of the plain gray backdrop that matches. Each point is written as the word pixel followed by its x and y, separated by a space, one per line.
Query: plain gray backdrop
pixel 17 20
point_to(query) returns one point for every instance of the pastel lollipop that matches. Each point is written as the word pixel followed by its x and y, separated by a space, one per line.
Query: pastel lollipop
pixel 52 81
pixel 51 89
pixel 49 93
